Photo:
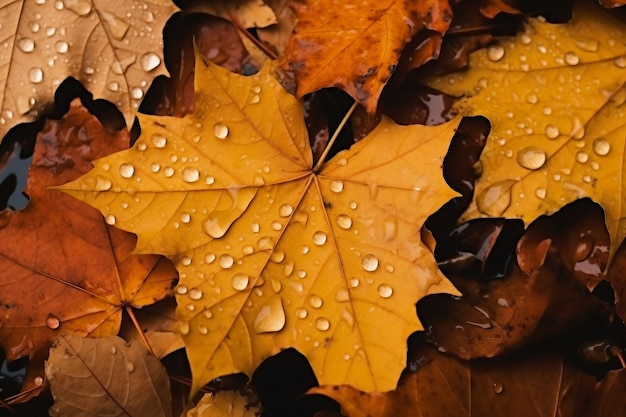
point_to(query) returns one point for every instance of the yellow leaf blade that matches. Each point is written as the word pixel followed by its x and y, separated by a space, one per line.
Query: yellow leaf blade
pixel 330 263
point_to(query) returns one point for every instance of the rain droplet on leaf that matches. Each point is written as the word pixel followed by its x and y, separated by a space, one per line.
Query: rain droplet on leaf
pixel 319 238
pixel 495 53
pixel 601 147
pixel 226 261
pixel 271 317
pixel 159 141
pixel 53 322
pixel 369 263
pixel 220 130
pixel 531 157
pixel 385 290
pixel 315 301
pixel 239 281
pixel 322 324
pixel 149 61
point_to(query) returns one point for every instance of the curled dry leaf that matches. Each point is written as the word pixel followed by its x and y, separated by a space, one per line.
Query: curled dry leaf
pixel 563 136
pixel 113 47
pixel 356 46
pixel 247 13
pixel 106 377
pixel 273 254
pixel 63 269
pixel 224 404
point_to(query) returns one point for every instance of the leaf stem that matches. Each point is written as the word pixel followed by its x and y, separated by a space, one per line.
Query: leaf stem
pixel 270 54
pixel 332 140
pixel 142 336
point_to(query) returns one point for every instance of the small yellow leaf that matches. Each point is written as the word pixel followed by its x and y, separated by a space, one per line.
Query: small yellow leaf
pixel 557 116
pixel 272 255
pixel 224 404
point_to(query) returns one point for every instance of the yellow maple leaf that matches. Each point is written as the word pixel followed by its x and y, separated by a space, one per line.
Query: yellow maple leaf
pixel 556 110
pixel 271 254
pixel 112 47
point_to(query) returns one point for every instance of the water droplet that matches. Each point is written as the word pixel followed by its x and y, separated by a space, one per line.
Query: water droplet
pixel 38 381
pixel 319 238
pixel 582 157
pixel 26 45
pixel 389 268
pixel 551 131
pixel 301 273
pixel 354 282
pixel 583 248
pixel 620 62
pixel 62 47
pixel 181 290
pixel 546 110
pixel 265 243
pixel 226 261
pixel 385 290
pixel 315 301
pixel 185 260
pixel 336 186
pixel 136 93
pixel 159 141
pixel 220 130
pixel 214 228
pixel 540 193
pixel 276 226
pixel 207 314
pixel 571 58
pixel 195 294
pixel 102 184
pixel 127 170
pixel 497 387
pixel 353 205
pixel 277 256
pixel 276 285
pixel 185 217
pixel 149 61
pixel 369 263
pixel 35 75
pixel 130 367
pixel 495 53
pixel 239 281
pixel 53 322
pixel 601 146
pixel 190 175
pixel 285 210
pixel 203 330
pixel 342 296
pixel 113 350
pixel 344 221
pixel 532 98
pixel 114 86
pixel 288 269
pixel 531 157
pixel 587 44
pixel 301 313
pixel 305 249
pixel 271 317
pixel 110 219
pixel 256 89
pixel 322 324
pixel 495 199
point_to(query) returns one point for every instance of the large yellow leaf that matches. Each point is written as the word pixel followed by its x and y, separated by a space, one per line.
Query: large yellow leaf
pixel 112 47
pixel 272 255
pixel 554 96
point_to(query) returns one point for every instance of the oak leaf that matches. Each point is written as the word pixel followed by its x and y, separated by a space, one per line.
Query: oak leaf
pixel 557 118
pixel 356 46
pixel 63 269
pixel 106 377
pixel 113 47
pixel 271 253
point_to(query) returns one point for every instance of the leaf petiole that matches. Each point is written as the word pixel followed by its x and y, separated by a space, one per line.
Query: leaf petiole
pixel 332 140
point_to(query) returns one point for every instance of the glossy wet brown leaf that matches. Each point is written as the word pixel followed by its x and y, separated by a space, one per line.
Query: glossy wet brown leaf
pixel 442 386
pixel 62 268
pixel 113 47
pixel 106 377
pixel 272 253
pixel 544 298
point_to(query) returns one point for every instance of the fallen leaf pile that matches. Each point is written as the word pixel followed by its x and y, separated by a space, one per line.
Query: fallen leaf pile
pixel 371 208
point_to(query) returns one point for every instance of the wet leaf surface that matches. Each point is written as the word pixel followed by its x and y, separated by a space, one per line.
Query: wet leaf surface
pixel 563 104
pixel 113 47
pixel 64 270
pixel 271 254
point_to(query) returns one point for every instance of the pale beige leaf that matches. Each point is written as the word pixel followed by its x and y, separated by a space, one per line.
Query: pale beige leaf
pixel 113 47
pixel 106 377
